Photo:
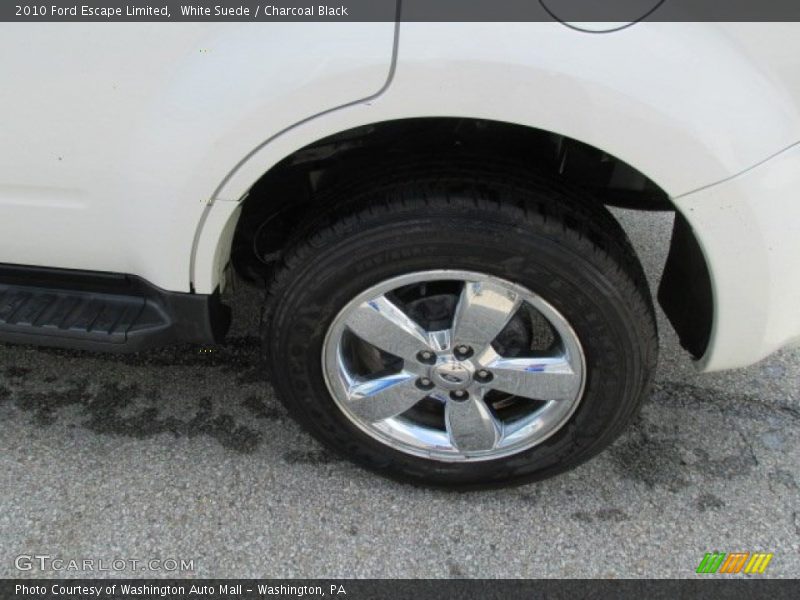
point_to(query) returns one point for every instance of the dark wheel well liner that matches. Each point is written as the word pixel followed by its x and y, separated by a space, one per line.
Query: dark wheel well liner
pixel 685 291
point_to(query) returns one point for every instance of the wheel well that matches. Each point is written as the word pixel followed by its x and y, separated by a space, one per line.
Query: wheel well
pixel 282 199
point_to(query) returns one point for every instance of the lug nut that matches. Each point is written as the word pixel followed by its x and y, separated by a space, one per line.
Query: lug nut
pixel 425 384
pixel 483 376
pixel 459 395
pixel 463 351
pixel 426 357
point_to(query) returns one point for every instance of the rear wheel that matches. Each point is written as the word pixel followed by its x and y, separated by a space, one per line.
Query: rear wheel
pixel 469 330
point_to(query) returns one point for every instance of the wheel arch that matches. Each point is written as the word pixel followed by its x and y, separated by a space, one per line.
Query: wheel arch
pixel 606 178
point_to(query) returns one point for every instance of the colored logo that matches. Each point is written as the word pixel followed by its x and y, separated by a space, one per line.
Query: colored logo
pixel 741 562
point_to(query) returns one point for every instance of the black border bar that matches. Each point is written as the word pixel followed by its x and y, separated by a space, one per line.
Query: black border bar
pixel 709 587
pixel 573 11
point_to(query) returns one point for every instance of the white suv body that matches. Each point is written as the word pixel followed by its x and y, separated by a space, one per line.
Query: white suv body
pixel 130 148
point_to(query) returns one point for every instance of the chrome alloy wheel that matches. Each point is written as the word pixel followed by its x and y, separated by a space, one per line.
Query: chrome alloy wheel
pixel 454 365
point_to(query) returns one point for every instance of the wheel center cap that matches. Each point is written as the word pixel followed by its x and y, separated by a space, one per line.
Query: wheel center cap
pixel 452 375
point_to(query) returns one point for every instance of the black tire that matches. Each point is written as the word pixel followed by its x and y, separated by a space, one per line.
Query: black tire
pixel 531 231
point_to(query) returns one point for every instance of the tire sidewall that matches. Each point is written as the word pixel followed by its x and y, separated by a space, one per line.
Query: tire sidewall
pixel 563 271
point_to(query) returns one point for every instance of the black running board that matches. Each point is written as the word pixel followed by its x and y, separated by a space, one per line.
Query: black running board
pixel 102 311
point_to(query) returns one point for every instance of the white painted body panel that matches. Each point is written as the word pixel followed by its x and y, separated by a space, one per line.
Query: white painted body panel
pixel 115 136
pixel 749 231
pixel 127 147
pixel 681 102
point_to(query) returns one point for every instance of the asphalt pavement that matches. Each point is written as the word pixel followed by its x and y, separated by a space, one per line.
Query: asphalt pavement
pixel 184 454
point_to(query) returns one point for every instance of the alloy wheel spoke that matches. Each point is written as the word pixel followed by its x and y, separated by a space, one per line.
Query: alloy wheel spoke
pixel 448 400
pixel 483 311
pixel 547 379
pixel 471 426
pixel 384 397
pixel 384 325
